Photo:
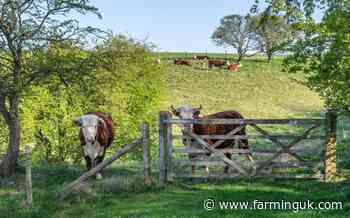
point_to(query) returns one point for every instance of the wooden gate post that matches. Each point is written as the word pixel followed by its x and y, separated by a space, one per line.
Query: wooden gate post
pixel 163 148
pixel 28 166
pixel 146 154
pixel 169 140
pixel 330 157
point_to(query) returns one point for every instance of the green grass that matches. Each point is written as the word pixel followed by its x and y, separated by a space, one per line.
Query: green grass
pixel 257 90
pixel 171 55
pixel 181 199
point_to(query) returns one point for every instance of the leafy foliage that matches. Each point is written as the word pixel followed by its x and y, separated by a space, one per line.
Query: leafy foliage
pixel 235 30
pixel 122 79
pixel 27 27
pixel 322 52
pixel 273 33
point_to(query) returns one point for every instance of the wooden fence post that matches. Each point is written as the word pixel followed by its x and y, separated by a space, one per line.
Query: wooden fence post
pixel 146 154
pixel 169 141
pixel 330 157
pixel 28 166
pixel 163 116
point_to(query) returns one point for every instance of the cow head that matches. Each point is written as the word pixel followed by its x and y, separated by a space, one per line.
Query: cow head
pixel 186 112
pixel 89 125
pixel 228 63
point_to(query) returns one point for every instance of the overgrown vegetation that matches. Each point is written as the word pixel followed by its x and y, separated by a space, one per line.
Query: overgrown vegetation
pixel 125 82
pixel 27 29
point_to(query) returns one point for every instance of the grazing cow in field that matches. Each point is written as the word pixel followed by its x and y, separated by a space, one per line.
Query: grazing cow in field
pixel 186 112
pixel 201 57
pixel 182 62
pixel 218 63
pixel 234 67
pixel 96 135
pixel 157 61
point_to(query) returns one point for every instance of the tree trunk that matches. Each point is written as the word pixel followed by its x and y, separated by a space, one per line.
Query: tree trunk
pixel 240 57
pixel 9 162
pixel 269 57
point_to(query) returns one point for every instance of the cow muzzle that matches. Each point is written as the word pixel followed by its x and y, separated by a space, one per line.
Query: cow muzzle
pixel 92 150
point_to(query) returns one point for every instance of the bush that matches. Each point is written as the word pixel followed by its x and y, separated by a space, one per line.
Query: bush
pixel 125 81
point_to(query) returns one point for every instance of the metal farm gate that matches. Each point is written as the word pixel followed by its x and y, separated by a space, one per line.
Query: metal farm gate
pixel 309 151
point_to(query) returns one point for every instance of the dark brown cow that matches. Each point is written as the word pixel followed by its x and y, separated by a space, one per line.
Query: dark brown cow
pixel 182 62
pixel 186 112
pixel 218 63
pixel 96 135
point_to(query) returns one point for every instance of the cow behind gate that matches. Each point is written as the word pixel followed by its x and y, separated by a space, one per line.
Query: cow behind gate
pixel 96 135
pixel 186 112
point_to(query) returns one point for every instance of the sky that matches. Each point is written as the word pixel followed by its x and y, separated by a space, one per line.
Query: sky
pixel 181 25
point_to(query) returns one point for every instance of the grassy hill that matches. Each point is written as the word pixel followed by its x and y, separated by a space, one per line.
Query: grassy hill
pixel 257 90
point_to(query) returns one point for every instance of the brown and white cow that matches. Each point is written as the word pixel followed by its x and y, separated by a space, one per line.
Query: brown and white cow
pixel 201 57
pixel 96 135
pixel 182 62
pixel 186 112
pixel 218 63
pixel 234 67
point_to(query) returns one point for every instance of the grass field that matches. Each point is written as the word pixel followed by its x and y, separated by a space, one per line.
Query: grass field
pixel 129 198
pixel 257 90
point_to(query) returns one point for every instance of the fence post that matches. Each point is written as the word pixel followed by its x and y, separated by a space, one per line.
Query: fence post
pixel 146 154
pixel 162 147
pixel 28 166
pixel 330 157
pixel 169 141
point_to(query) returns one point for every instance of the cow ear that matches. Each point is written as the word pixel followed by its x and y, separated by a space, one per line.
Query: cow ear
pixel 174 111
pixel 77 121
pixel 196 113
pixel 101 122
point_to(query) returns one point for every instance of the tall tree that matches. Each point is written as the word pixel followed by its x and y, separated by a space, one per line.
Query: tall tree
pixel 235 31
pixel 273 33
pixel 26 27
pixel 323 53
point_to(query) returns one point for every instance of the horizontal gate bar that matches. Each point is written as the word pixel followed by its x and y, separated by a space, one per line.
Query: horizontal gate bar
pixel 239 176
pixel 199 163
pixel 256 151
pixel 203 151
pixel 277 165
pixel 247 121
pixel 312 137
pixel 282 165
